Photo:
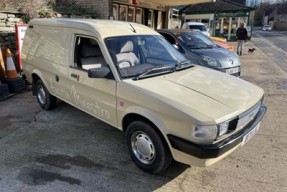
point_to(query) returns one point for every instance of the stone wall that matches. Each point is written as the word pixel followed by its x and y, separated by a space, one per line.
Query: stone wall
pixel 281 26
pixel 100 9
pixel 7 29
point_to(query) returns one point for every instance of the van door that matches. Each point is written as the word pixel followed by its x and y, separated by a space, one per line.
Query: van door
pixel 96 96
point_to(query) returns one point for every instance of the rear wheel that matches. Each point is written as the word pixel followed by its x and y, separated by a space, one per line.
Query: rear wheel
pixel 147 148
pixel 44 98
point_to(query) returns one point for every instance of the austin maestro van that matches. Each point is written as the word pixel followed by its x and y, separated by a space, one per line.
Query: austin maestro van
pixel 130 77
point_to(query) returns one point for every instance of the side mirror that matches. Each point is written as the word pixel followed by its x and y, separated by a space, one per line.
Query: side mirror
pixel 101 72
pixel 175 46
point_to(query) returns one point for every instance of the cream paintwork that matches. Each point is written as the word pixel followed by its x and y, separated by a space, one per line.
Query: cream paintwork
pixel 95 96
pixel 201 109
pixel 196 95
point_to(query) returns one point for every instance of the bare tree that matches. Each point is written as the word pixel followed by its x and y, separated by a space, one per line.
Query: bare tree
pixel 259 13
pixel 30 7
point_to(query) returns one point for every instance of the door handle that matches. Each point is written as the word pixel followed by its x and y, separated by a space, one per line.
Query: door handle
pixel 73 75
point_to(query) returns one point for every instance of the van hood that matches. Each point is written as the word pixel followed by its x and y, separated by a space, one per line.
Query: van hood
pixel 202 91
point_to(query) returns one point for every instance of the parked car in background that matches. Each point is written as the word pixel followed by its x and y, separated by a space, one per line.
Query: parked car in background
pixel 266 28
pixel 197 26
pixel 201 50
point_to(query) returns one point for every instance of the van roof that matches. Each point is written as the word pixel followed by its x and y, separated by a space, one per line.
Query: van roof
pixel 105 28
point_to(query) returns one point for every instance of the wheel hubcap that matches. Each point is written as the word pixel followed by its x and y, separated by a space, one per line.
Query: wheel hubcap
pixel 41 95
pixel 143 147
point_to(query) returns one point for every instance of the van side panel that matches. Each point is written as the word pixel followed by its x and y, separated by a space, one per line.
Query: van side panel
pixel 49 40
pixel 44 50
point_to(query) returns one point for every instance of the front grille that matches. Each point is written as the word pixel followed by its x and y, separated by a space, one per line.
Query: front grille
pixel 248 116
pixel 238 124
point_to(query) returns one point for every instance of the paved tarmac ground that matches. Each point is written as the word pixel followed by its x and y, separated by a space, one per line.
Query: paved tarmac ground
pixel 68 150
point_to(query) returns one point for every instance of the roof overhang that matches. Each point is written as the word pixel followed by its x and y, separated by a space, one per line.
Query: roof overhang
pixel 178 2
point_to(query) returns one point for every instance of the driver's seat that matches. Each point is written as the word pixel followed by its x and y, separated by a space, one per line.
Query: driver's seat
pixel 126 57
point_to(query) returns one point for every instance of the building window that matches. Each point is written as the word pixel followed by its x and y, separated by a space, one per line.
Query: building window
pixel 138 15
pixel 131 14
pixel 150 21
pixel 123 13
pixel 116 11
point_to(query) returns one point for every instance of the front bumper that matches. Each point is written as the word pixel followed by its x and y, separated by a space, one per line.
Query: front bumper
pixel 215 150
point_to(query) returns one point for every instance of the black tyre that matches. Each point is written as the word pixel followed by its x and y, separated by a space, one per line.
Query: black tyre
pixel 16 85
pixel 4 92
pixel 44 98
pixel 147 148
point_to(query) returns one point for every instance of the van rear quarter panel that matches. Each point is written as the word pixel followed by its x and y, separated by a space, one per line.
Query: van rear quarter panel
pixel 46 52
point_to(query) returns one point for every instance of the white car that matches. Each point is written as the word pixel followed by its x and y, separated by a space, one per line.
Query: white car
pixel 197 26
pixel 266 28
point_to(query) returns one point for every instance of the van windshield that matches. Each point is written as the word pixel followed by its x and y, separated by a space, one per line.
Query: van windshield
pixel 143 55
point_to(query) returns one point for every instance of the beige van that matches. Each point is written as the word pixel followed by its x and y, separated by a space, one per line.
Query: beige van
pixel 130 77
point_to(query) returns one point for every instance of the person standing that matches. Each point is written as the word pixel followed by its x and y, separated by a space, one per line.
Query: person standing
pixel 241 36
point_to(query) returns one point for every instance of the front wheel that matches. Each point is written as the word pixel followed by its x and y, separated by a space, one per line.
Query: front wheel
pixel 147 148
pixel 44 98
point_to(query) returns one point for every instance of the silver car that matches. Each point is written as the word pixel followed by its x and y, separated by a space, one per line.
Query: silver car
pixel 201 50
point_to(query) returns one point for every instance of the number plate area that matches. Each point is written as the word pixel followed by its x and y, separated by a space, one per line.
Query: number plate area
pixel 232 70
pixel 249 135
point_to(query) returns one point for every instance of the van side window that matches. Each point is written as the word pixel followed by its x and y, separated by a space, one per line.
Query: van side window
pixel 88 54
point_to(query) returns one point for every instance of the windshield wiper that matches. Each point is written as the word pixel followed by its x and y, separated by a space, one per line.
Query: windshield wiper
pixel 155 71
pixel 209 46
pixel 183 64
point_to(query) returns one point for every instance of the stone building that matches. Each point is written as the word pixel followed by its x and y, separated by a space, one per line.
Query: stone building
pixel 8 20
pixel 153 13
pixel 276 16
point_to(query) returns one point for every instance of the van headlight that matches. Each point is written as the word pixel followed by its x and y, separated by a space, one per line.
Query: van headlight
pixel 209 133
pixel 210 61
pixel 205 133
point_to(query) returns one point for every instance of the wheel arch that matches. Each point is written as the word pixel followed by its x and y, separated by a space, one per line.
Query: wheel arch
pixel 152 120
pixel 35 78
pixel 37 75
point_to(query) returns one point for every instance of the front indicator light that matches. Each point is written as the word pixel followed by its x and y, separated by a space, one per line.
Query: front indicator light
pixel 222 129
